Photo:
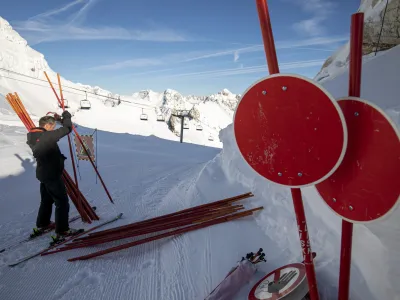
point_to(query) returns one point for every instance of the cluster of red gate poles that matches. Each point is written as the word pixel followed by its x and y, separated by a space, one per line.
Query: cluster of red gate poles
pixel 86 212
pixel 172 224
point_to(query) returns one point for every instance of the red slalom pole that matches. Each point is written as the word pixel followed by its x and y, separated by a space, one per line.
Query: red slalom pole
pixel 305 243
pixel 356 41
pixel 78 199
pixel 273 67
pixel 268 37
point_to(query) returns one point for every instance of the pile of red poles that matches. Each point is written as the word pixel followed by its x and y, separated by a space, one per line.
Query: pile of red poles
pixel 78 199
pixel 164 226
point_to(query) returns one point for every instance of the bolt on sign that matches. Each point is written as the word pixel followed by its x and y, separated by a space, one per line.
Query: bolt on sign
pixel 89 145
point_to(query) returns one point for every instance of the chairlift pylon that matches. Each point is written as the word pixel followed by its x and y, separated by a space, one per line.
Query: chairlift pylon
pixel 143 116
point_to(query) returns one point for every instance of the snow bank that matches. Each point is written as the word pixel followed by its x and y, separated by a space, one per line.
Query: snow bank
pixel 376 246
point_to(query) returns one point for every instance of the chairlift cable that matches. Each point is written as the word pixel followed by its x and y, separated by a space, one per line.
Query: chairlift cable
pixel 65 87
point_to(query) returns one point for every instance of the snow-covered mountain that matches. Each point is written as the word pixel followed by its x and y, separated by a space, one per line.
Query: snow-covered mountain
pixel 381 29
pixel 145 112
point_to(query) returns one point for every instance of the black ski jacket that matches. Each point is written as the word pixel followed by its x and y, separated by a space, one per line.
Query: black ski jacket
pixel 50 160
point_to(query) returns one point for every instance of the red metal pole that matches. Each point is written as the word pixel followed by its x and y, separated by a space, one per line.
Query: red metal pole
pixel 305 243
pixel 170 233
pixel 94 166
pixel 184 212
pixel 74 194
pixel 78 198
pixel 268 37
pixel 356 41
pixel 273 68
pixel 82 242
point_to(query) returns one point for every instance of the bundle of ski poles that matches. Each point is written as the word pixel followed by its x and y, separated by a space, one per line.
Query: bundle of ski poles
pixel 237 277
pixel 78 199
pixel 255 258
pixel 161 227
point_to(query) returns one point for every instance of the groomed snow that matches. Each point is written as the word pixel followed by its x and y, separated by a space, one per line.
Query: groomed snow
pixel 149 176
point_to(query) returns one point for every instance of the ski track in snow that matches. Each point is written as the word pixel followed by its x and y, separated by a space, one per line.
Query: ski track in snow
pixel 141 272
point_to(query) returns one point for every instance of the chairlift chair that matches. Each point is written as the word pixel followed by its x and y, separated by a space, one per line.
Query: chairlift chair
pixel 185 125
pixel 160 118
pixel 143 116
pixel 199 128
pixel 85 104
pixel 210 138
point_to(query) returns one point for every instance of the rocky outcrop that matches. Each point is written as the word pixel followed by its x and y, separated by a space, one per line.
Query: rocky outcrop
pixel 382 29
pixel 381 32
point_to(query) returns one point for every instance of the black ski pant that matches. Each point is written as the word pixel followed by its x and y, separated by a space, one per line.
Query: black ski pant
pixel 53 191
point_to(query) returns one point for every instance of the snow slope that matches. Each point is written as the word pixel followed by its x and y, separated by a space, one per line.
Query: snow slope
pixel 148 176
pixel 21 70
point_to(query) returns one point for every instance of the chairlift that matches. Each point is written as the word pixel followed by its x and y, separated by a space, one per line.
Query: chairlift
pixel 199 128
pixel 65 104
pixel 185 125
pixel 85 103
pixel 143 116
pixel 160 118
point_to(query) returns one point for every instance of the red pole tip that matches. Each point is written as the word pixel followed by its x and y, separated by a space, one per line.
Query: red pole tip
pixel 268 37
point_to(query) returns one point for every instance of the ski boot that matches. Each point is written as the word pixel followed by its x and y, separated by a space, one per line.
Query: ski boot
pixel 60 237
pixel 40 230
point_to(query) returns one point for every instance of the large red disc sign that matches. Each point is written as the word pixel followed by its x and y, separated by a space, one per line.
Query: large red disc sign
pixel 366 186
pixel 287 282
pixel 290 130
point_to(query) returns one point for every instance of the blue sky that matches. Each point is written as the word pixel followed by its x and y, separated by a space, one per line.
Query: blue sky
pixel 195 47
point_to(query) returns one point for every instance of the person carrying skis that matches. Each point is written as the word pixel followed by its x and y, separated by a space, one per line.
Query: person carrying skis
pixel 50 165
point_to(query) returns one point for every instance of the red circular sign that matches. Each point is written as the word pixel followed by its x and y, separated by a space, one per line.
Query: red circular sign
pixel 366 186
pixel 290 130
pixel 280 283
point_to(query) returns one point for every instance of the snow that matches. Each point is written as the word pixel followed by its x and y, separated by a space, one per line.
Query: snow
pixel 149 173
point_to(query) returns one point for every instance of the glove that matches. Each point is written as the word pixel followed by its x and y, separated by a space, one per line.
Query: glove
pixel 66 115
pixel 57 117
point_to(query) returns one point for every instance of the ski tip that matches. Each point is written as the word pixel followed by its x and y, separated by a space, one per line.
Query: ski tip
pixel 120 215
pixel 2 250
